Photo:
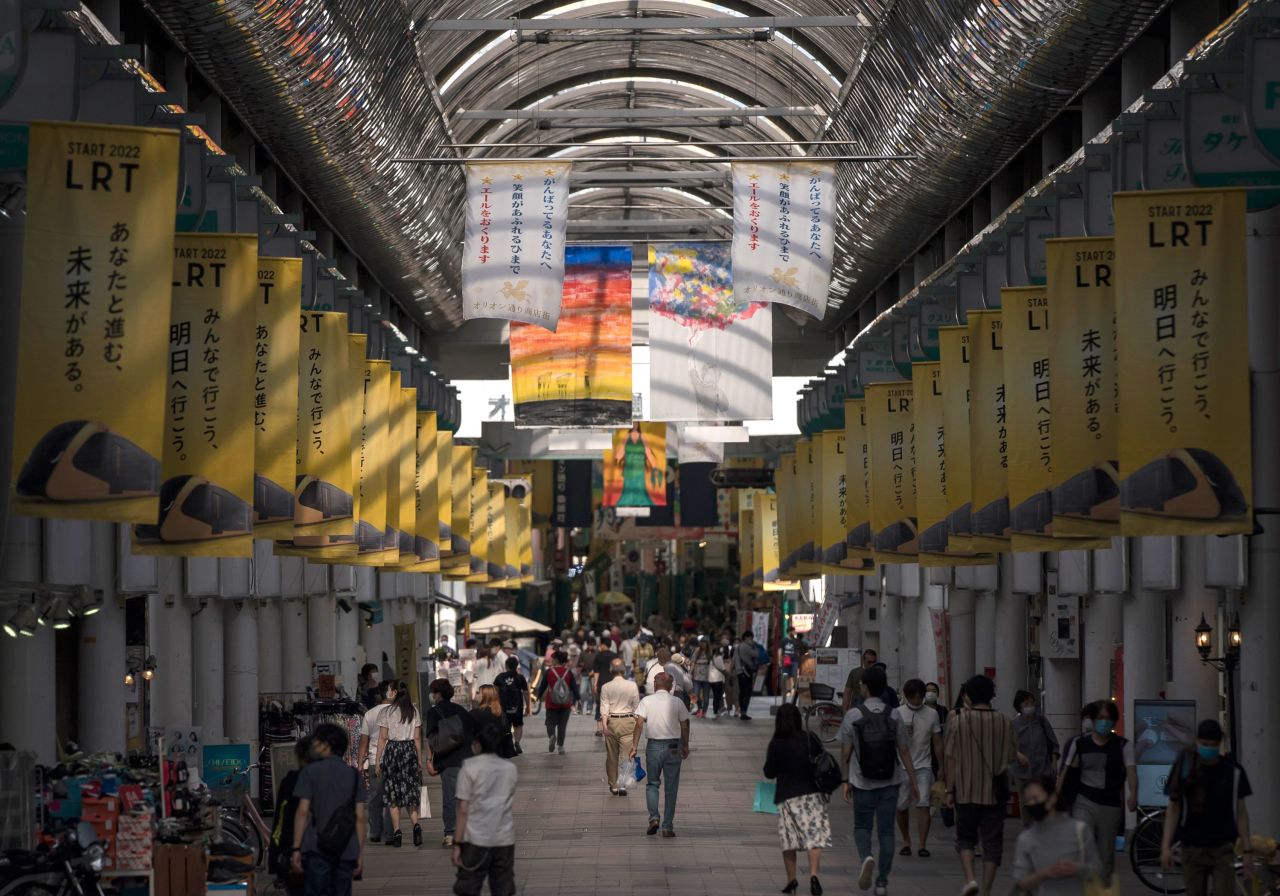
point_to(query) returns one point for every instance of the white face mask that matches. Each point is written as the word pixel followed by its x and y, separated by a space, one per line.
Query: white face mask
pixel 930 697
pixel 1029 710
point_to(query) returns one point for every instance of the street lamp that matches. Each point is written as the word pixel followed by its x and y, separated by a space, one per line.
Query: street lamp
pixel 1228 663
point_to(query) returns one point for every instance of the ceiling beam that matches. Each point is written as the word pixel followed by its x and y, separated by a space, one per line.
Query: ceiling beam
pixel 648 23
pixel 643 113
pixel 627 160
pixel 649 224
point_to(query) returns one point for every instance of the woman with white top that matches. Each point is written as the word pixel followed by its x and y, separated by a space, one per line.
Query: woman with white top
pixel 400 758
pixel 716 678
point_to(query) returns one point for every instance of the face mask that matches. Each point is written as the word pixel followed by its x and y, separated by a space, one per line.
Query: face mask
pixel 930 697
pixel 1086 726
pixel 1038 812
pixel 1029 710
pixel 1103 727
pixel 1208 754
pixel 435 698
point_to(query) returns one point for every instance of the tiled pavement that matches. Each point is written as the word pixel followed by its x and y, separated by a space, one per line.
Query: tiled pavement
pixel 575 839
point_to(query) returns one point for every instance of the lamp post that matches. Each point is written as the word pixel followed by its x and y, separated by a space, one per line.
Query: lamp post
pixel 1229 662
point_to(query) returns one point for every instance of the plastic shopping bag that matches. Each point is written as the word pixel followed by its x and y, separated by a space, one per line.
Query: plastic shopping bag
pixel 765 792
pixel 639 770
pixel 424 803
pixel 627 776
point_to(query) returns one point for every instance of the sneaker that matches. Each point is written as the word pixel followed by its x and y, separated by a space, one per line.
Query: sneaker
pixel 622 791
pixel 562 751
pixel 864 877
pixel 881 890
pixel 668 834
pixel 447 841
pixel 551 744
pixel 745 718
pixel 970 889
pixel 653 827
pixel 613 791
pixel 375 838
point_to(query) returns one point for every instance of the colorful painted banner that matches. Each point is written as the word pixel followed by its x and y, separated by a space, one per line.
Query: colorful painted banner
pixel 275 395
pixel 1084 400
pixel 953 353
pixel 206 492
pixel 635 469
pixel 92 355
pixel 580 375
pixel 857 482
pixel 1181 312
pixel 891 448
pixel 988 432
pixel 710 357
pixel 328 413
pixel 513 262
pixel 784 233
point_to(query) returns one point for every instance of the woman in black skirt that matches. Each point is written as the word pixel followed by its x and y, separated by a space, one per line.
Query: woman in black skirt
pixel 400 755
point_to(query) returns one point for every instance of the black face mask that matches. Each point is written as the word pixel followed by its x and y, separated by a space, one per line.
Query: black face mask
pixel 1038 812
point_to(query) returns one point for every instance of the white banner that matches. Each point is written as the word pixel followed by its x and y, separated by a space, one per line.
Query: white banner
pixel 784 233
pixel 513 260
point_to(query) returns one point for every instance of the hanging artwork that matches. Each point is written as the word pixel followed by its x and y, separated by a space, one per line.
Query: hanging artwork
pixel 783 233
pixel 635 468
pixel 513 262
pixel 580 375
pixel 711 356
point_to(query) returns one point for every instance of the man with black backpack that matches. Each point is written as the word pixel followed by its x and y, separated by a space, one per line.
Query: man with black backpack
pixel 449 731
pixel 873 742
pixel 330 821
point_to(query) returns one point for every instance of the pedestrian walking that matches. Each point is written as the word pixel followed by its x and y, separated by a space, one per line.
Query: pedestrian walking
pixel 1055 853
pixel 367 760
pixel 400 762
pixel 745 662
pixel 557 691
pixel 280 850
pixel 486 842
pixel 979 746
pixel 666 720
pixel 853 684
pixel 1100 765
pixel 716 679
pixel 449 732
pixel 874 752
pixel 618 701
pixel 728 647
pixel 513 694
pixel 702 676
pixel 803 823
pixel 330 822
pixel 643 653
pixel 605 655
pixel 590 678
pixel 924 734
pixel 489 706
pixel 1207 814
pixel 681 683
pixel 1038 750
pixel 931 697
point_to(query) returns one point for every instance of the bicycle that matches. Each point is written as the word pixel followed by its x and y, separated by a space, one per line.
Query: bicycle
pixel 822 706
pixel 240 820
pixel 1144 857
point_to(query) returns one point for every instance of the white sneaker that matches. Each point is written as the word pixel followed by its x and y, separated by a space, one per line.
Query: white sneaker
pixel 881 890
pixel 562 751
pixel 864 878
pixel 970 888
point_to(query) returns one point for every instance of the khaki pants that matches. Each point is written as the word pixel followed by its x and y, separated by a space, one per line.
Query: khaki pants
pixel 1201 864
pixel 617 740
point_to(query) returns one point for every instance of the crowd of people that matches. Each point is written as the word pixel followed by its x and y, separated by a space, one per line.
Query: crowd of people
pixel 905 758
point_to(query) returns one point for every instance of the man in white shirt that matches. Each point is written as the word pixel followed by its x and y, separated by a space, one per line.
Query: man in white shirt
pixel 628 651
pixel 618 701
pixel 666 720
pixel 663 662
pixel 499 655
pixel 924 733
pixel 367 760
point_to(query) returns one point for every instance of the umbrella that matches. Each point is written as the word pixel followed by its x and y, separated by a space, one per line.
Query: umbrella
pixel 612 597
pixel 506 621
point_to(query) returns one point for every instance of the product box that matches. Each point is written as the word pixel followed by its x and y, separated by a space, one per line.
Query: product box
pixel 180 869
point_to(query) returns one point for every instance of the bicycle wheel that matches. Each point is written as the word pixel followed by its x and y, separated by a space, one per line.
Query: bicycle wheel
pixel 235 829
pixel 1144 856
pixel 829 720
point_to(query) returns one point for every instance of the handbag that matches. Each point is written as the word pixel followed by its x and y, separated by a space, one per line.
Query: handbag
pixel 765 792
pixel 424 803
pixel 826 771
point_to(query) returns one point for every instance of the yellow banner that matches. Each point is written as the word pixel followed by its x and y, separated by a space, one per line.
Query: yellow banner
pixel 953 353
pixel 858 484
pixel 92 350
pixel 479 526
pixel 376 541
pixel 463 456
pixel 785 488
pixel 511 556
pixel 426 493
pixel 806 514
pixel 1181 319
pixel 765 521
pixel 206 493
pixel 444 489
pixel 988 433
pixel 406 482
pixel 891 448
pixel 1084 398
pixel 526 541
pixel 931 476
pixel 831 495
pixel 275 395
pixel 748 562
pixel 327 405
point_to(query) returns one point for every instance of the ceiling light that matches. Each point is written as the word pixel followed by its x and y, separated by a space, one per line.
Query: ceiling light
pixel 24 621
pixel 60 614
pixel 149 668
pixel 10 626
pixel 128 678
pixel 86 602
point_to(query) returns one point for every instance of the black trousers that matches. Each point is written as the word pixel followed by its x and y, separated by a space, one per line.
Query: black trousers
pixel 717 694
pixel 557 723
pixel 497 863
pixel 746 684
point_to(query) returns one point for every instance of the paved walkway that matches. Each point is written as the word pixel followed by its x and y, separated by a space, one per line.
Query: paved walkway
pixel 575 839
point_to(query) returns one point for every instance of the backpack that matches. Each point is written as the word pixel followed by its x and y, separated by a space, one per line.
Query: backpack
pixel 561 693
pixel 826 771
pixel 341 826
pixel 877 745
pixel 450 735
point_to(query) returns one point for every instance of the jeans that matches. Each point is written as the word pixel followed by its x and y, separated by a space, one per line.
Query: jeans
pixel 1201 864
pixel 662 757
pixel 875 807
pixel 323 876
pixel 617 735
pixel 703 690
pixel 449 797
pixel 498 863
pixel 746 684
pixel 379 813
pixel 717 694
pixel 557 723
pixel 1106 822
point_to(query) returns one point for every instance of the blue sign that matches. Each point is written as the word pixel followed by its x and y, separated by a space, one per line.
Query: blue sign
pixel 222 766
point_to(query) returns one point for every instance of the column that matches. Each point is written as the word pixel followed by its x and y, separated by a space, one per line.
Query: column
pixel 1143 649
pixel 1099 106
pixel 241 664
pixel 207 637
pixel 960 610
pixel 1010 635
pixel 100 694
pixel 932 597
pixel 321 640
pixel 169 639
pixel 984 632
pixel 909 638
pixel 270 647
pixel 1101 634
pixel 1142 65
pixel 295 669
pixel 347 637
pixel 1192 679
pixel 1259 711
pixel 1061 700
pixel 28 667
pixel 890 649
pixel 1189 22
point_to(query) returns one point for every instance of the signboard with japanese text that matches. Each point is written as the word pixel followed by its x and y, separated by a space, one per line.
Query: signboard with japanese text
pixel 372 548
pixel 1220 150
pixel 988 433
pixel 207 474
pixel 953 353
pixel 404 444
pixel 479 568
pixel 444 489
pixel 1262 85
pixel 931 477
pixel 513 256
pixel 857 483
pixel 1083 402
pixel 496 556
pixel 1181 289
pixel 92 348
pixel 784 233
pixel 785 485
pixel 891 439
pixel 748 555
pixel 832 470
pixel 275 391
pixel 806 508
pixel 327 406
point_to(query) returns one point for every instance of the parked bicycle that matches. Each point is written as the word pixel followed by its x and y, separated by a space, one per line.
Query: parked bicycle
pixel 1144 856
pixel 239 818
pixel 822 707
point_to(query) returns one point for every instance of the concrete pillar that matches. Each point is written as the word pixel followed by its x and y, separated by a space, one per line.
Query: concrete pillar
pixel 984 632
pixel 100 692
pixel 169 639
pixel 1192 679
pixel 955 235
pixel 909 659
pixel 1102 629
pixel 1062 699
pixel 1189 22
pixel 1143 650
pixel 1055 147
pixel 270 644
pixel 241 664
pixel 1010 634
pixel 321 637
pixel 1259 711
pixel 960 609
pixel 890 648
pixel 347 637
pixel 28 668
pixel 295 663
pixel 932 597
pixel 1099 106
pixel 1005 187
pixel 980 212
pixel 1142 64
pixel 207 641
